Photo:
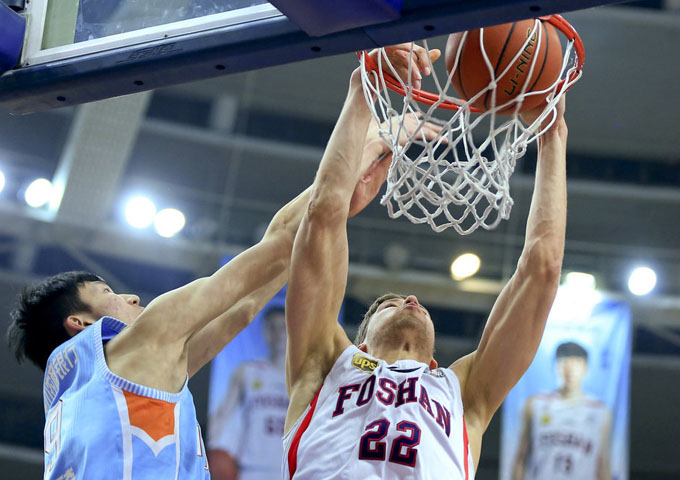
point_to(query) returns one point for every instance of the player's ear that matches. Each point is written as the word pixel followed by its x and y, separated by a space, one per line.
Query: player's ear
pixel 433 364
pixel 363 348
pixel 76 323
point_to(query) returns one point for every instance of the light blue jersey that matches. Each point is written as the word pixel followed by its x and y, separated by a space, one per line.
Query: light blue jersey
pixel 101 426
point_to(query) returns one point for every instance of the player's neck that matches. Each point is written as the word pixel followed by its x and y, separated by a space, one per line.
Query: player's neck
pixel 405 351
pixel 569 393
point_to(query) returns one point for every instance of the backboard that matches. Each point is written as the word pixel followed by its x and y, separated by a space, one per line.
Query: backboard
pixel 77 51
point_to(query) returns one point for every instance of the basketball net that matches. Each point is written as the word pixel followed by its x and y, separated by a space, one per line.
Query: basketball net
pixel 461 177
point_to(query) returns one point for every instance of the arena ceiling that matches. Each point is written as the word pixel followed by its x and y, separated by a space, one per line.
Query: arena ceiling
pixel 230 151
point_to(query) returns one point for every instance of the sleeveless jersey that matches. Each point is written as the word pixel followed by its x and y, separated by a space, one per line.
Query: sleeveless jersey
pixel 565 438
pixel 253 432
pixel 371 420
pixel 101 426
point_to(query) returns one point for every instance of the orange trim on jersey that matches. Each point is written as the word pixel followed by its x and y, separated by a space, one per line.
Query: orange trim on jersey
pixel 155 417
pixel 292 452
pixel 465 449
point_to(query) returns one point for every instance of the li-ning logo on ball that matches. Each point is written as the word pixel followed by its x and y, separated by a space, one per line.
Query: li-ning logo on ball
pixel 522 62
pixel 363 363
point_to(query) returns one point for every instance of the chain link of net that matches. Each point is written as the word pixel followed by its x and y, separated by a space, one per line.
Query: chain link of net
pixel 460 178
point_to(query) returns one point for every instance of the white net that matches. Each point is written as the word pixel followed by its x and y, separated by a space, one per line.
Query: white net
pixel 460 178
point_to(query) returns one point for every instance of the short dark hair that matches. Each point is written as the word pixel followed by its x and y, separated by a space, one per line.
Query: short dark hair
pixel 363 326
pixel 37 321
pixel 571 349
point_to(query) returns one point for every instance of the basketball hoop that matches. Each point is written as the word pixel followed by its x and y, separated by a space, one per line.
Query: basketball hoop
pixel 460 178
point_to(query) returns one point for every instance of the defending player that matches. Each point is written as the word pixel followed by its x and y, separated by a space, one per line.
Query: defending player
pixel 383 409
pixel 115 390
pixel 565 434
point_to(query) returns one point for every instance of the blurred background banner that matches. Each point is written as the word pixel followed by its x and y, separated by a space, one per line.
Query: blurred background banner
pixel 248 399
pixel 248 345
pixel 568 417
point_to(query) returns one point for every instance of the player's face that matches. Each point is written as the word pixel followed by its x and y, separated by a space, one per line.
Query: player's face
pixel 572 370
pixel 399 317
pixel 104 302
pixel 275 330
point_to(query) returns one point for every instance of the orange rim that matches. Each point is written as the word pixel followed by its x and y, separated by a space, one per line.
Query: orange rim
pixel 429 98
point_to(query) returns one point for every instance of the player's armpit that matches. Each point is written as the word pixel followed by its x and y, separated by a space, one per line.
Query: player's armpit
pixel 509 341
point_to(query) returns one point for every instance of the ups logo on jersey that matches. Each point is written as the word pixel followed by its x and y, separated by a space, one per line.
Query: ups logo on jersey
pixel 363 363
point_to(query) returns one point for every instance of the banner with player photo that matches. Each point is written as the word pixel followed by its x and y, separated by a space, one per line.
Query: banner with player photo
pixel 567 418
pixel 247 401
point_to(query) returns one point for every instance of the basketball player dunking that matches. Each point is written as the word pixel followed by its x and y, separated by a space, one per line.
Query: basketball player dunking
pixel 566 433
pixel 382 408
pixel 115 390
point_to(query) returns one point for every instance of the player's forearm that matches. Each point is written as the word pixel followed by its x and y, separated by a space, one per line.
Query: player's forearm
pixel 276 246
pixel 205 344
pixel 286 222
pixel 546 224
pixel 339 170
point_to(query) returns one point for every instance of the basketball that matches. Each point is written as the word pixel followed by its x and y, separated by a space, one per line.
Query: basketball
pixel 502 43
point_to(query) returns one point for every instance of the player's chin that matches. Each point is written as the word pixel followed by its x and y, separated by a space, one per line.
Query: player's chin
pixel 410 320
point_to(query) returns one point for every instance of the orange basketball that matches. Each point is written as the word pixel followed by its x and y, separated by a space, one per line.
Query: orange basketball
pixel 501 44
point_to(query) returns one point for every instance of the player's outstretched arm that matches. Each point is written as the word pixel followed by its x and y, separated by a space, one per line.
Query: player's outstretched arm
pixel 345 182
pixel 275 248
pixel 318 273
pixel 156 350
pixel 516 322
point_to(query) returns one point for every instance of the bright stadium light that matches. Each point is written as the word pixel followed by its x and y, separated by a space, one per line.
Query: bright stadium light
pixel 169 222
pixel 641 281
pixel 38 192
pixel 2 181
pixel 580 280
pixel 140 212
pixel 465 266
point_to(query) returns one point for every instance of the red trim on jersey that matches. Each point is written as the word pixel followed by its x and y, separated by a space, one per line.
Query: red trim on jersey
pixel 465 449
pixel 292 452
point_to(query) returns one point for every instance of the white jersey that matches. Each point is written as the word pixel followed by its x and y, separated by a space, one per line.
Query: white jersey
pixel 253 433
pixel 371 420
pixel 566 437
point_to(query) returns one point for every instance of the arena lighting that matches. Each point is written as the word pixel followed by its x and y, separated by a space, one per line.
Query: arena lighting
pixel 140 212
pixel 169 222
pixel 580 280
pixel 38 192
pixel 2 181
pixel 465 266
pixel 641 281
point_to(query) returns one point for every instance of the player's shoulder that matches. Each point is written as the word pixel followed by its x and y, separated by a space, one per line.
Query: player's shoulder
pixel 595 403
pixel 544 397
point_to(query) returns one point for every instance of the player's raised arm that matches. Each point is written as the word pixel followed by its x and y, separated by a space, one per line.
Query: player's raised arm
pixel 515 325
pixel 347 179
pixel 318 273
pixel 167 339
